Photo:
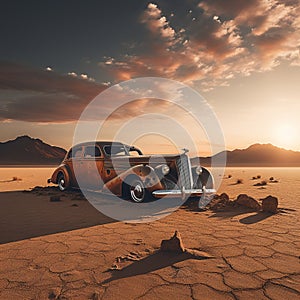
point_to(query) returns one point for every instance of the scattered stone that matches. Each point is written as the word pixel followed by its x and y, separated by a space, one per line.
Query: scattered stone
pixel 220 202
pixel 248 201
pixel 270 204
pixel 224 197
pixel 95 296
pixel 53 295
pixel 139 242
pixel 174 244
pixel 239 181
pixel 262 183
pixel 271 178
pixel 132 257
pixel 55 199
pixel 75 205
pixel 114 267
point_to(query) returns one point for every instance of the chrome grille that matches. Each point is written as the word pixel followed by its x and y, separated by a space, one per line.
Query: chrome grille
pixel 185 174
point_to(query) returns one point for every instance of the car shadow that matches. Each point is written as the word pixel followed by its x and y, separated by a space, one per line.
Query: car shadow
pixel 153 262
pixel 44 211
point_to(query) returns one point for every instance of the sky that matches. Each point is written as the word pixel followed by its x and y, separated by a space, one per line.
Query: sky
pixel 241 56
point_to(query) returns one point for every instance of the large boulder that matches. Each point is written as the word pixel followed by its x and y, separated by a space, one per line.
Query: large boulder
pixel 248 201
pixel 270 204
pixel 174 244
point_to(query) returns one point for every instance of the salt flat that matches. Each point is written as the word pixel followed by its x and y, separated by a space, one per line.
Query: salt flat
pixel 255 255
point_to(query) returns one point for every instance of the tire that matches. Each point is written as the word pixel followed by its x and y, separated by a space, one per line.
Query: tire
pixel 137 191
pixel 61 182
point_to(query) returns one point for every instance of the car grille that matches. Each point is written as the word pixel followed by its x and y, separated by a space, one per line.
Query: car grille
pixel 184 168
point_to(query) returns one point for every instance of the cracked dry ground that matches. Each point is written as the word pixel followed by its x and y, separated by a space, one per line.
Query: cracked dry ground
pixel 258 260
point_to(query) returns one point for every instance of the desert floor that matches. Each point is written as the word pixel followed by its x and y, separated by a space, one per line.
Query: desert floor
pixel 69 250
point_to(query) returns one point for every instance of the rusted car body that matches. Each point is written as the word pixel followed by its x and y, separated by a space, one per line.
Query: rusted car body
pixel 124 171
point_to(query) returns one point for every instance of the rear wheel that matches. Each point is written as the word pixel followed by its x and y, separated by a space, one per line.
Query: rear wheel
pixel 62 182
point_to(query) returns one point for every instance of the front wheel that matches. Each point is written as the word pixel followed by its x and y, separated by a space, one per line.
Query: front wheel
pixel 137 191
pixel 62 182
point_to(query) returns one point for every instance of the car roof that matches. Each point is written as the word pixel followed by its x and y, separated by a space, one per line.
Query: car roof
pixel 99 143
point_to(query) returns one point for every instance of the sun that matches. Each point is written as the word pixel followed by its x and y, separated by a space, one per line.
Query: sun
pixel 286 136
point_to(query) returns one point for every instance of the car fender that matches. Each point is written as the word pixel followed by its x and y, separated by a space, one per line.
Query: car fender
pixel 65 170
pixel 144 172
pixel 204 179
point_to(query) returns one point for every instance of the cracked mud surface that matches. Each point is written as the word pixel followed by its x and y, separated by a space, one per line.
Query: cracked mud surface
pixel 253 260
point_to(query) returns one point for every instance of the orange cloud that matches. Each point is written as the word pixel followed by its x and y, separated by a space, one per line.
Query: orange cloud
pixel 226 39
pixel 36 95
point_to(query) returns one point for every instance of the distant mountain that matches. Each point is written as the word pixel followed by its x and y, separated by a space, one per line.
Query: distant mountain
pixel 25 150
pixel 258 155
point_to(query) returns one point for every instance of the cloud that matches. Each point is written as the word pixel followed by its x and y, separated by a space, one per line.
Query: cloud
pixel 86 77
pixel 226 39
pixel 35 95
pixel 72 74
pixel 158 23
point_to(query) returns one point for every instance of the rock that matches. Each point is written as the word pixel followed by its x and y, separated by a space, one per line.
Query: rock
pixel 220 202
pixel 248 201
pixel 174 244
pixel 95 296
pixel 270 204
pixel 262 183
pixel 114 267
pixel 224 197
pixel 55 199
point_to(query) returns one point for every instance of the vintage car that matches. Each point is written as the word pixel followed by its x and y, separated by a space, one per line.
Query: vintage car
pixel 124 171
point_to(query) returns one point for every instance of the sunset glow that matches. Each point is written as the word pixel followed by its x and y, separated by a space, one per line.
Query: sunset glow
pixel 286 136
pixel 242 57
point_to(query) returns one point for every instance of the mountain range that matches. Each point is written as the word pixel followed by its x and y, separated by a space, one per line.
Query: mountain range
pixel 25 150
pixel 266 155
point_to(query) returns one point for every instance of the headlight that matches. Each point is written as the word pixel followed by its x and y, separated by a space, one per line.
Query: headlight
pixel 165 169
pixel 198 170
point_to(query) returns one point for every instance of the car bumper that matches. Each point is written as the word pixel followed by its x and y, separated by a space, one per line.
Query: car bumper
pixel 182 193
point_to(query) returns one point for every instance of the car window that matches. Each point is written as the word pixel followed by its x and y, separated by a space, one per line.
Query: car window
pixel 115 150
pixel 92 151
pixel 76 152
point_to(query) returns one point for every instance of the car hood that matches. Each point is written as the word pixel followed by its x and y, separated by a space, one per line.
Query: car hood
pixel 153 160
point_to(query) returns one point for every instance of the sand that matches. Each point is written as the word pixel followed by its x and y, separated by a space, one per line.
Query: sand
pixel 58 250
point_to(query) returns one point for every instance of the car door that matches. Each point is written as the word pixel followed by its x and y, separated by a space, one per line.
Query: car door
pixel 93 162
pixel 77 166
